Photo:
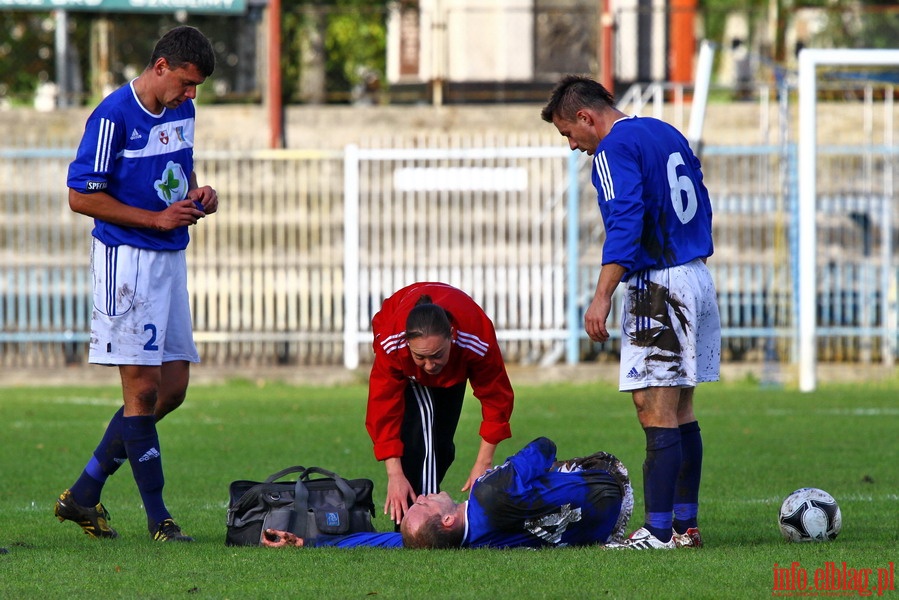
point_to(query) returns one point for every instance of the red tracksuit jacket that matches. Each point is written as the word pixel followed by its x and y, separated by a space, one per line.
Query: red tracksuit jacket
pixel 475 356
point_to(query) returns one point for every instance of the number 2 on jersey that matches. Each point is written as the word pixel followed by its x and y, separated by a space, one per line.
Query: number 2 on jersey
pixel 151 343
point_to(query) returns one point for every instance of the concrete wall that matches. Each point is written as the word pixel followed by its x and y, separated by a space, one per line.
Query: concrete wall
pixel 333 127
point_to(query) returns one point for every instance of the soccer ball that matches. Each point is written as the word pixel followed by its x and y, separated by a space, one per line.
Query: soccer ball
pixel 810 515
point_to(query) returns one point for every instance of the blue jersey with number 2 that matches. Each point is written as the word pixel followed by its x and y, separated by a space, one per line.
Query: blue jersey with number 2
pixel 140 159
pixel 653 202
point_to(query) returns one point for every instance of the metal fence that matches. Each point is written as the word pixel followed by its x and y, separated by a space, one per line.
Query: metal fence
pixel 306 244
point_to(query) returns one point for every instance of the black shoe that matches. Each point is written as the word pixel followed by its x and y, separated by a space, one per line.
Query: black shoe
pixel 168 531
pixel 93 521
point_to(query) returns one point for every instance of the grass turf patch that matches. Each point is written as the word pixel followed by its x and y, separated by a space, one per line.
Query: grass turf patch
pixel 760 445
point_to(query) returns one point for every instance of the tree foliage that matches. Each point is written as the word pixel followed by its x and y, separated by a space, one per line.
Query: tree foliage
pixel 356 46
pixel 862 23
pixel 27 52
pixel 715 13
pixel 352 49
pixel 345 39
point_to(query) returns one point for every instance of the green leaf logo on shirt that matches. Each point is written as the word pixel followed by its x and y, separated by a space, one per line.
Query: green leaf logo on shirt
pixel 172 185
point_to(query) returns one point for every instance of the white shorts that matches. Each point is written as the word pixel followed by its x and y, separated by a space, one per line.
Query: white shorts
pixel 141 312
pixel 671 330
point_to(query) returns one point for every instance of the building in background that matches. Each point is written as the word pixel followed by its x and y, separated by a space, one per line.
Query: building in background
pixel 507 50
pixel 421 51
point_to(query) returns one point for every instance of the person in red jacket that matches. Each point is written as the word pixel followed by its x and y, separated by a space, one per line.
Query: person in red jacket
pixel 430 340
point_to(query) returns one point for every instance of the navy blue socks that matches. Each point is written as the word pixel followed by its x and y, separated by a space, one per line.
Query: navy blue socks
pixel 131 439
pixel 107 458
pixel 142 446
pixel 660 472
pixel 686 493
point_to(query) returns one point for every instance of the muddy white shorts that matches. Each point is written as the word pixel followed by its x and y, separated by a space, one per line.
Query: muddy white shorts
pixel 141 311
pixel 671 330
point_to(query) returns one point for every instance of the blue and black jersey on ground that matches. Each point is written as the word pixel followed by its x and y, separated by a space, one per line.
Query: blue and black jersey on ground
pixel 534 501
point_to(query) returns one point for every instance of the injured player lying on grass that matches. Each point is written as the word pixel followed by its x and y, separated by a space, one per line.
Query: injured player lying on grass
pixel 532 500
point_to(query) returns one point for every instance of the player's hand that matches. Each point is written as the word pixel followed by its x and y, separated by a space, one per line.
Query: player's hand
pixel 400 496
pixel 275 538
pixel 178 214
pixel 595 319
pixel 204 197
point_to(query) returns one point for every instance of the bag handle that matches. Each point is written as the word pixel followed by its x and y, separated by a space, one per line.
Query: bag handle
pixel 276 476
pixel 298 522
pixel 295 525
pixel 349 496
pixel 248 498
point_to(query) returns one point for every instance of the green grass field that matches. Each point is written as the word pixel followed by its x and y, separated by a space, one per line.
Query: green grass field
pixel 760 444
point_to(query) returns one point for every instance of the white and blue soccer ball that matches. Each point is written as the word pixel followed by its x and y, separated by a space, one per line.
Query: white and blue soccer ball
pixel 810 515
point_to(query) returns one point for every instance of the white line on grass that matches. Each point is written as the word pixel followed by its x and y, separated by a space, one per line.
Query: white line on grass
pixel 779 499
pixel 840 412
pixel 86 401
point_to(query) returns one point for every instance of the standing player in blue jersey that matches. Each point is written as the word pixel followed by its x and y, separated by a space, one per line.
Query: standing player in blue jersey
pixel 134 175
pixel 658 223
pixel 532 501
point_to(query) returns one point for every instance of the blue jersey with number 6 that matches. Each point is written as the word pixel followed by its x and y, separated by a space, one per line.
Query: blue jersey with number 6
pixel 653 202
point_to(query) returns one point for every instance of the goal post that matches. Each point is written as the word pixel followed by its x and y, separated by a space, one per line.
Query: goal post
pixel 809 61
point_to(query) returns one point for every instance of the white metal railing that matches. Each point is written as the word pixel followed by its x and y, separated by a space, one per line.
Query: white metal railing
pixel 306 244
pixel 488 220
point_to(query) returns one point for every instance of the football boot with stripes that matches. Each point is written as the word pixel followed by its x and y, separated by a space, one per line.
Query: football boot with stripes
pixel 642 539
pixel 168 531
pixel 92 520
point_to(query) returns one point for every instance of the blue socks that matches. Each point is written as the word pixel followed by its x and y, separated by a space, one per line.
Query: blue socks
pixel 686 493
pixel 127 439
pixel 107 458
pixel 142 446
pixel 660 472
pixel 671 477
